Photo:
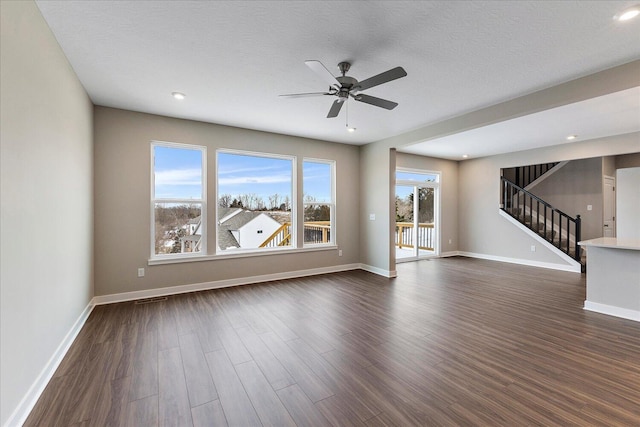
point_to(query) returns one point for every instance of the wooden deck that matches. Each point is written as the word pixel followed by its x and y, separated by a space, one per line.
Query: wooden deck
pixel 451 341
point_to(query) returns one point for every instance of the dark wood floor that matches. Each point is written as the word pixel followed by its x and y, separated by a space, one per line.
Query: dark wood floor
pixel 449 342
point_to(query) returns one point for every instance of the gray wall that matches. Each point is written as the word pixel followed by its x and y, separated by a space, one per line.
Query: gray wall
pixel 448 194
pixel 377 184
pixel 46 198
pixel 483 230
pixel 631 160
pixel 572 188
pixel 122 197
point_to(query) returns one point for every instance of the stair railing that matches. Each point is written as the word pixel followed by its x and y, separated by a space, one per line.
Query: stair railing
pixel 525 175
pixel 550 223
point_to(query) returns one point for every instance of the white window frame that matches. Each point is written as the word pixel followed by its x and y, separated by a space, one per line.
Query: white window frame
pixel 202 201
pixel 332 205
pixel 293 216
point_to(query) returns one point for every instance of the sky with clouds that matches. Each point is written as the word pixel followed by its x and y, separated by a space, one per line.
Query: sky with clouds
pixel 178 175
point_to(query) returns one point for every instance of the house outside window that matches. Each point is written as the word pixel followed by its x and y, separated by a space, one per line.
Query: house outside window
pixel 178 200
pixel 319 201
pixel 255 201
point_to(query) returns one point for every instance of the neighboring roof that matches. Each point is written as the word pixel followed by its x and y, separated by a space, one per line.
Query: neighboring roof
pixel 223 212
pixel 226 238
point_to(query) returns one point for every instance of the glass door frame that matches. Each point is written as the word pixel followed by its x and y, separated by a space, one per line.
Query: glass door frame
pixel 417 185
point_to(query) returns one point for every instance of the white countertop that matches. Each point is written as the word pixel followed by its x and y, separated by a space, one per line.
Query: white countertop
pixel 613 242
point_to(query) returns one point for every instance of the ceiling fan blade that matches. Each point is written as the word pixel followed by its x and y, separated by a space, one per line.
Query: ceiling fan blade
pixel 303 95
pixel 387 76
pixel 323 73
pixel 378 102
pixel 335 108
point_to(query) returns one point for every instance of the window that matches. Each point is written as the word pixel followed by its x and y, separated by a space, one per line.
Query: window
pixel 318 201
pixel 255 199
pixel 178 199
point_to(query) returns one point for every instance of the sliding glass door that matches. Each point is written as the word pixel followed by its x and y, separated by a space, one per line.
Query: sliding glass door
pixel 417 228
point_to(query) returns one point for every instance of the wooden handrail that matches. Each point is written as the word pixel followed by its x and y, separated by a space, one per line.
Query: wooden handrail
pixel 281 229
pixel 284 230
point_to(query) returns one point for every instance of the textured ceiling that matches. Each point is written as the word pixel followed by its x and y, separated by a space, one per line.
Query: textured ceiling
pixel 232 58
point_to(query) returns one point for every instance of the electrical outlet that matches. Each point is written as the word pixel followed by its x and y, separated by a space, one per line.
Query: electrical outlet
pixel 339 252
pixel 533 248
pixel 589 207
pixel 450 241
pixel 141 272
pixel 372 217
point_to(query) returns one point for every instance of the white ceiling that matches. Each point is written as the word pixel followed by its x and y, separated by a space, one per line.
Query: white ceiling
pixel 613 114
pixel 233 58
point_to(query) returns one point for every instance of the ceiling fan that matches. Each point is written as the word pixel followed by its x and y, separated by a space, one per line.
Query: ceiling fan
pixel 344 86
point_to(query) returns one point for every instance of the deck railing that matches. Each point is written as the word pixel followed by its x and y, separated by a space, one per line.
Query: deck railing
pixel 404 235
pixel 314 232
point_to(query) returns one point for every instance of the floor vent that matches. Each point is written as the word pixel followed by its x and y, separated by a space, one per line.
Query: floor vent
pixel 150 300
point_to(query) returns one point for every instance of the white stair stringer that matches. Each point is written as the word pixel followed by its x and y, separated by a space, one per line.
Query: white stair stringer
pixel 575 265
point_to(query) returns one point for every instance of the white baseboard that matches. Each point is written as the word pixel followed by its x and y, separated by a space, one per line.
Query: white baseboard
pixel 561 267
pixel 449 254
pixel 173 290
pixel 20 414
pixel 611 310
pixel 379 271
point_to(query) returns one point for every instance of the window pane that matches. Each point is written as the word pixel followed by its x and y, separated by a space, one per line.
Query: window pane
pixel 178 228
pixel 254 202
pixel 177 173
pixel 415 176
pixel 316 182
pixel 317 223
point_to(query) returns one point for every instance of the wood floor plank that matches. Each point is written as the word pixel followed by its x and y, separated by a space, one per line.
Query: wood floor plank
pixel 265 400
pixel 301 408
pixel 452 341
pixel 111 408
pixel 236 404
pixel 143 412
pixel 310 383
pixel 145 365
pixel 273 370
pixel 173 399
pixel 209 415
pixel 196 372
pixel 233 345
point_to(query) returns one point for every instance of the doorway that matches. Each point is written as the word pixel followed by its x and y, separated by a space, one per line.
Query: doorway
pixel 609 223
pixel 417 225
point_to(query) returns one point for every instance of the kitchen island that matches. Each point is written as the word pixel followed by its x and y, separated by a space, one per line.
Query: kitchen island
pixel 613 277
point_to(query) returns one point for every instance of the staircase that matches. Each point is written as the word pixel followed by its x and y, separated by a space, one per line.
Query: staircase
pixel 553 225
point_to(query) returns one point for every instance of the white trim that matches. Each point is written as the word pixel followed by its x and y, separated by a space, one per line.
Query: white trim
pixel 611 310
pixel 449 254
pixel 239 254
pixel 174 290
pixel 561 267
pixel 379 271
pixel 24 408
pixel 572 262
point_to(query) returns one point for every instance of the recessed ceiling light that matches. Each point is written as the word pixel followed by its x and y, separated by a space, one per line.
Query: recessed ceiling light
pixel 465 156
pixel 351 130
pixel 571 137
pixel 178 95
pixel 628 13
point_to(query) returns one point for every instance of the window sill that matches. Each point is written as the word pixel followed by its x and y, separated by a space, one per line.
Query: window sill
pixel 242 254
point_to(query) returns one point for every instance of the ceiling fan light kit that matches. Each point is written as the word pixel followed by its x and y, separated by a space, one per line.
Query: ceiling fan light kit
pixel 345 87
